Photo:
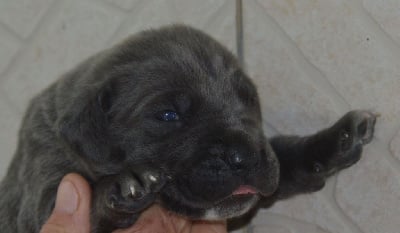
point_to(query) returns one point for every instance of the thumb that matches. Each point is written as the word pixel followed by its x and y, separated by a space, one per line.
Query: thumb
pixel 71 213
pixel 210 227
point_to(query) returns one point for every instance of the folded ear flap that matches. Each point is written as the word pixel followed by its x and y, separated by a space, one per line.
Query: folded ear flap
pixel 84 126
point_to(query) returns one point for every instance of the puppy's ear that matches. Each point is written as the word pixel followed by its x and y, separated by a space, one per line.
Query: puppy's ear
pixel 84 126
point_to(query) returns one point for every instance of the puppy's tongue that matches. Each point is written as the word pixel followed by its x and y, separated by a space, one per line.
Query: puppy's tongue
pixel 244 189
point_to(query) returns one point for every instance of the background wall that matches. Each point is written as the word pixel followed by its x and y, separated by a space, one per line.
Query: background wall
pixel 313 60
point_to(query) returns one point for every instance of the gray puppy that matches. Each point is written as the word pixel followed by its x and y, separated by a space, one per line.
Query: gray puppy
pixel 167 116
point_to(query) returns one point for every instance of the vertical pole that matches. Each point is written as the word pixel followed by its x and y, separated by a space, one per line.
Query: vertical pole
pixel 239 32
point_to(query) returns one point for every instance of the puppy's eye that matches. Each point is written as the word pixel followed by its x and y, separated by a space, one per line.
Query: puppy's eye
pixel 317 167
pixel 168 115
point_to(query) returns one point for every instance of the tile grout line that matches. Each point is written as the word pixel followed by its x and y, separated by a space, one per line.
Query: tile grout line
pixel 217 13
pixel 115 6
pixel 109 5
pixel 334 206
pixel 12 32
pixel 391 160
pixel 20 41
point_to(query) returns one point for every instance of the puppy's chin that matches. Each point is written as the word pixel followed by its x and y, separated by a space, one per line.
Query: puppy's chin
pixel 236 204
pixel 232 206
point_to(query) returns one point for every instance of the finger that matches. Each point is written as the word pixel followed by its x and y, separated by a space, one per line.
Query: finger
pixel 209 227
pixel 149 221
pixel 181 224
pixel 72 208
pixel 157 220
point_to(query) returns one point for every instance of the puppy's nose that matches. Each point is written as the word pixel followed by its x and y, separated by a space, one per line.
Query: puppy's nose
pixel 238 160
pixel 237 149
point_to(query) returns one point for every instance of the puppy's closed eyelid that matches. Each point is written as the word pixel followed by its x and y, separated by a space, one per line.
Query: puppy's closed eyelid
pixel 183 103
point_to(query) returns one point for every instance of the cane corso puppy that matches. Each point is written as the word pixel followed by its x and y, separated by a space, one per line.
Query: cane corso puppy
pixel 169 117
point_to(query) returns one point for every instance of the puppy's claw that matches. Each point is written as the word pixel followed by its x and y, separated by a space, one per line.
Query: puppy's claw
pixel 153 178
pixel 133 190
pixel 111 202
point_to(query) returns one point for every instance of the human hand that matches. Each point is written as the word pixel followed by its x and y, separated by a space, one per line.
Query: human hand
pixel 158 220
pixel 71 214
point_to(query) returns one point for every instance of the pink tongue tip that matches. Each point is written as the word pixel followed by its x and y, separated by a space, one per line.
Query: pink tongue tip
pixel 244 189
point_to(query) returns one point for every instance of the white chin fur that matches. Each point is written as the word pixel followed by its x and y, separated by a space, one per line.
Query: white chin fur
pixel 220 213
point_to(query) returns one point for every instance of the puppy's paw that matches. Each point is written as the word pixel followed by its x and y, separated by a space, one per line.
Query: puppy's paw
pixel 132 192
pixel 341 145
pixel 356 128
pixel 348 136
pixel 119 199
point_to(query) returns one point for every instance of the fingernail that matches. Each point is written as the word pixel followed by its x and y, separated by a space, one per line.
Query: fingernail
pixel 67 198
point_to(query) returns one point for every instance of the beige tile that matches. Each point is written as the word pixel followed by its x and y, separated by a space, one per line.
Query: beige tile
pixel 312 60
pixel 314 209
pixel 395 146
pixel 269 222
pixel 124 4
pixel 386 14
pixel 214 17
pixel 271 229
pixel 9 46
pixel 350 49
pixel 370 193
pixel 292 102
pixel 23 15
pixel 77 30
pixel 9 124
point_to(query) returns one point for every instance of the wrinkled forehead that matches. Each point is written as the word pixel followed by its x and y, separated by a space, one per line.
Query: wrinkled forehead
pixel 202 70
pixel 212 63
pixel 184 69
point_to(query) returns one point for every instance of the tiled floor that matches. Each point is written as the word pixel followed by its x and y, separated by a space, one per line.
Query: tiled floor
pixel 312 60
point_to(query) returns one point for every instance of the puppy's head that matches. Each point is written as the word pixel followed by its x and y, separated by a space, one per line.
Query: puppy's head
pixel 177 99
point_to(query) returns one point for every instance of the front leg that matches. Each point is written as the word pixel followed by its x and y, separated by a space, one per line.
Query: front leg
pixel 120 199
pixel 306 162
